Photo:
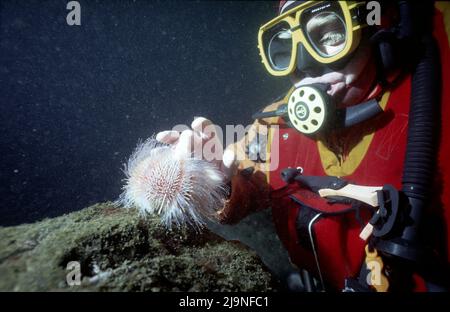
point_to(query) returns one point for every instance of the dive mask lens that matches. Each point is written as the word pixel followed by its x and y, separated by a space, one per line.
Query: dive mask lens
pixel 278 46
pixel 324 28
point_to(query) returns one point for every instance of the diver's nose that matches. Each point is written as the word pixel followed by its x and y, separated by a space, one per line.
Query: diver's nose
pixel 306 64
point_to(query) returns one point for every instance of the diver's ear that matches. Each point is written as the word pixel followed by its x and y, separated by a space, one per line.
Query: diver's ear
pixel 396 42
pixel 387 54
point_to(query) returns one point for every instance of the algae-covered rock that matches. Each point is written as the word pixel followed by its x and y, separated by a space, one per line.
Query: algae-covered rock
pixel 119 251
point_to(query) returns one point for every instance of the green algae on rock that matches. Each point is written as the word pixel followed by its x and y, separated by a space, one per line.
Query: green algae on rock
pixel 119 251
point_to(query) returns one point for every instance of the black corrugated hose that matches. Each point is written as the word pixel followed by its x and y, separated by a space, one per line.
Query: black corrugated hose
pixel 423 126
pixel 419 170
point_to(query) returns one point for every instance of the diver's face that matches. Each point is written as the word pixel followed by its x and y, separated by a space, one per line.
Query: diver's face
pixel 349 85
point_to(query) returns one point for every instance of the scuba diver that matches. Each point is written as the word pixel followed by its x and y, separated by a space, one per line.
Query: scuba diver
pixel 360 192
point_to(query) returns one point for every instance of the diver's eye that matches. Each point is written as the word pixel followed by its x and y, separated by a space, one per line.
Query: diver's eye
pixel 327 33
pixel 332 38
pixel 280 49
pixel 285 34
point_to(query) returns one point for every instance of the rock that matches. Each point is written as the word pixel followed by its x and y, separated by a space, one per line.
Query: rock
pixel 119 251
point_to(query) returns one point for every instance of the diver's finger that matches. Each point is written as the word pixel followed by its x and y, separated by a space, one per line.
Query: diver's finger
pixel 229 164
pixel 211 136
pixel 199 124
pixel 168 137
pixel 184 145
pixel 198 144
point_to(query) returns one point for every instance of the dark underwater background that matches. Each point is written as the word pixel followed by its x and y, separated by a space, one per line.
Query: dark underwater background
pixel 74 100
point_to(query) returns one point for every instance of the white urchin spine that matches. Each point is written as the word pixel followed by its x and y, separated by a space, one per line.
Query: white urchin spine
pixel 181 191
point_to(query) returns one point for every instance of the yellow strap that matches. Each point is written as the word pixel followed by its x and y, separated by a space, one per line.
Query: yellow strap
pixel 331 164
pixel 375 265
pixel 444 7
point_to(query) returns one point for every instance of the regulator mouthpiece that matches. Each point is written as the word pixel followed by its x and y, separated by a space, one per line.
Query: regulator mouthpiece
pixel 310 110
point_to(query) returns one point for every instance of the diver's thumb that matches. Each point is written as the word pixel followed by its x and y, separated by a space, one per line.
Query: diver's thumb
pixel 229 164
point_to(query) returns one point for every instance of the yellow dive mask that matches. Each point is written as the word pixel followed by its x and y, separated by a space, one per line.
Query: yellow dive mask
pixel 328 30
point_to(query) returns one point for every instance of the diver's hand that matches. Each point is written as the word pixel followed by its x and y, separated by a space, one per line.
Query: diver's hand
pixel 191 141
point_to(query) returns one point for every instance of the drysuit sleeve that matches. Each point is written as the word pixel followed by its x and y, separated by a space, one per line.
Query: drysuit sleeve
pixel 250 190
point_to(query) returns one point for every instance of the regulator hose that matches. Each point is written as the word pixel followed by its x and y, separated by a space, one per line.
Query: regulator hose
pixel 421 151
